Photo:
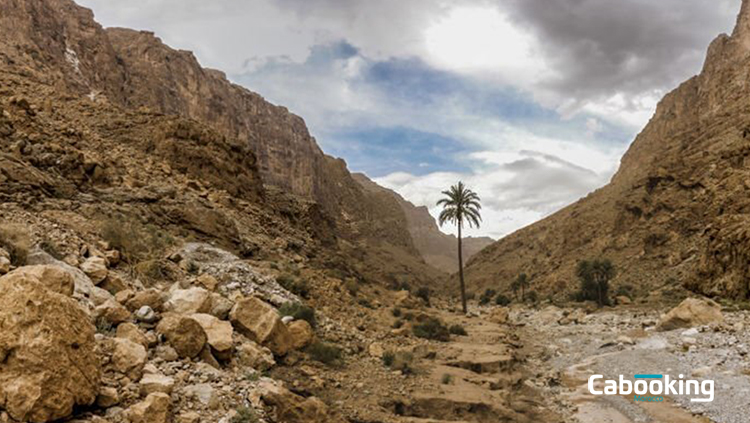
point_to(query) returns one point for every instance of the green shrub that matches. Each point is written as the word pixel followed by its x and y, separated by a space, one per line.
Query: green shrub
pixel 409 316
pixel 352 287
pixel 424 294
pixel 447 379
pixel 502 300
pixel 325 353
pixel 245 415
pixel 398 324
pixel 486 297
pixel 294 285
pixel 152 270
pixel 135 242
pixel 299 312
pixel 396 312
pixel 15 239
pixel 400 360
pixel 533 297
pixel 457 330
pixel 594 277
pixel 49 247
pixel 432 328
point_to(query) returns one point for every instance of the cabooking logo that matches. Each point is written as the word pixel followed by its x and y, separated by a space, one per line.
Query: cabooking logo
pixel 652 387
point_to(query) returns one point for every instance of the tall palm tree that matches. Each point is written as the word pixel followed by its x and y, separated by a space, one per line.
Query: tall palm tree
pixel 460 205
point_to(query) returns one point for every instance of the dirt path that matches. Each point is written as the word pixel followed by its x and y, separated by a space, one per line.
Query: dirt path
pixel 477 378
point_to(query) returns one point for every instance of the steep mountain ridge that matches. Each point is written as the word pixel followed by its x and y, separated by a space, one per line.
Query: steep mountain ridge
pixel 57 42
pixel 677 209
pixel 438 249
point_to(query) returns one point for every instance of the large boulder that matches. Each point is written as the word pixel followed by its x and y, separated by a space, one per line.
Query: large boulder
pixel 128 358
pixel 302 334
pixel 690 313
pixel 189 301
pixel 111 312
pixel 48 359
pixel 54 278
pixel 96 269
pixel 218 332
pixel 151 297
pixel 183 333
pixel 260 322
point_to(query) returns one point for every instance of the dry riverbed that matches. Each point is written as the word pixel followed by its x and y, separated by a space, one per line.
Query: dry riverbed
pixel 625 342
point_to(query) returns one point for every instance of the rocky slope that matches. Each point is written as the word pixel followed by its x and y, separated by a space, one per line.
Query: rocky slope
pixel 438 249
pixel 64 47
pixel 677 210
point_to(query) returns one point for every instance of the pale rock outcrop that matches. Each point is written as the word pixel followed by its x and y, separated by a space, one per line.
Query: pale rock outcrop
pixel 218 332
pixel 54 278
pixel 96 269
pixel 261 323
pixel 690 313
pixel 37 325
pixel 189 301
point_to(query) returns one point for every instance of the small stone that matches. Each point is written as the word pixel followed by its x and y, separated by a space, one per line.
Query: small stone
pixel 146 314
pixel 702 372
pixel 108 397
pixel 151 383
pixel 625 340
pixel 207 281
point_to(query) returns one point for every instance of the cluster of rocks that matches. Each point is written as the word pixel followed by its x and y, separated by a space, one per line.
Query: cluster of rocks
pixel 141 355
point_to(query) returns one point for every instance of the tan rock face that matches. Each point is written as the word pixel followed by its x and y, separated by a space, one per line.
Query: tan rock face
pixel 112 312
pixel 53 277
pixel 291 408
pixel 96 269
pixel 219 333
pixel 302 334
pixel 132 333
pixel 156 408
pixel 128 358
pixel 675 210
pixel 690 313
pixel 37 324
pixel 189 301
pixel 250 354
pixel 184 334
pixel 260 322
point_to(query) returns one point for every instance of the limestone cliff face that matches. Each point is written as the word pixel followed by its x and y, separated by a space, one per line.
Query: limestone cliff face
pixel 60 43
pixel 438 249
pixel 677 209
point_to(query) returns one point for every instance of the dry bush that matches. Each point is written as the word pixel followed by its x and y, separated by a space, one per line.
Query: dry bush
pixel 15 239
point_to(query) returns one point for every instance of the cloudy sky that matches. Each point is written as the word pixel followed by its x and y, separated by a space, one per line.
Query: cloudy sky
pixel 530 102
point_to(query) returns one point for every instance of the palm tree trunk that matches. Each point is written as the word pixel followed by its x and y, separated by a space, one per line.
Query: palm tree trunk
pixel 461 271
